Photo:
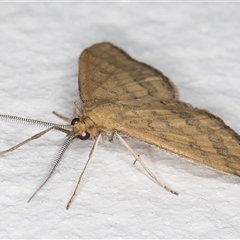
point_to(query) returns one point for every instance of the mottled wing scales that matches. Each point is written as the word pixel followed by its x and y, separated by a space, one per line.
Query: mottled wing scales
pixel 179 128
pixel 192 133
pixel 122 94
pixel 108 73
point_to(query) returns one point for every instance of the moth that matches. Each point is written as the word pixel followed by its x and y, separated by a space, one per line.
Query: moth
pixel 124 97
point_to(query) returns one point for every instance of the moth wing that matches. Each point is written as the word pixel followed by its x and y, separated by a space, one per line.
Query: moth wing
pixel 178 127
pixel 106 72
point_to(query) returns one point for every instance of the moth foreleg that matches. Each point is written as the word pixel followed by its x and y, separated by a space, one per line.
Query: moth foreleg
pixel 67 119
pixel 36 136
pixel 83 171
pixel 76 106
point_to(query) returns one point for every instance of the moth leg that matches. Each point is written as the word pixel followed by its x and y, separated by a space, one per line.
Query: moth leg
pixel 36 136
pixel 113 137
pixel 76 107
pixel 67 119
pixel 137 158
pixel 83 171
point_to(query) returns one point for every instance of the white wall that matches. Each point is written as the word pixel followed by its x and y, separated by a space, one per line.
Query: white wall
pixel 195 44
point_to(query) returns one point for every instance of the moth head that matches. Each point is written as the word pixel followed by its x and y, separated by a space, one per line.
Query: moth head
pixel 84 128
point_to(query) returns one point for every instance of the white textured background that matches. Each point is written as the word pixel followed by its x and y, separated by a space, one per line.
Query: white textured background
pixel 195 44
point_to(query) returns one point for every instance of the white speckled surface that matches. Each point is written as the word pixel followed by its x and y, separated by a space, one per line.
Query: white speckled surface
pixel 195 44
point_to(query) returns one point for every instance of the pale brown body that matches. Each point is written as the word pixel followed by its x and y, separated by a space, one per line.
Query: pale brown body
pixel 123 95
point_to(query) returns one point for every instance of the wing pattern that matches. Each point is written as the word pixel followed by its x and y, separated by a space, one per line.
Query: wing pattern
pixel 106 72
pixel 121 94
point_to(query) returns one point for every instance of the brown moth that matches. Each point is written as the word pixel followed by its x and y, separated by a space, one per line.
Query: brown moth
pixel 122 96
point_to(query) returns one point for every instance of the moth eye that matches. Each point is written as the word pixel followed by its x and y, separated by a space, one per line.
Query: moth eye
pixel 75 120
pixel 84 136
